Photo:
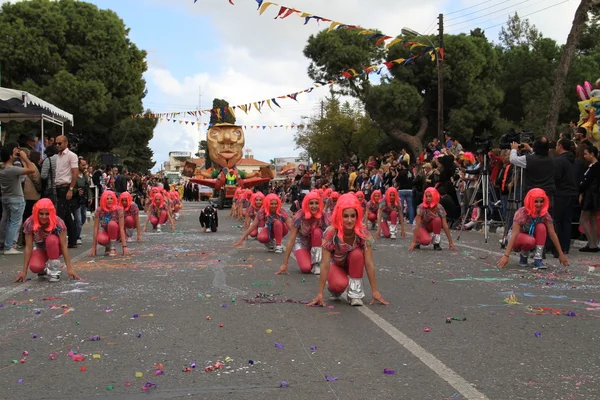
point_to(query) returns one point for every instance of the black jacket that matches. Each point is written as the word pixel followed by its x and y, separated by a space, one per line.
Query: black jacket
pixel 565 175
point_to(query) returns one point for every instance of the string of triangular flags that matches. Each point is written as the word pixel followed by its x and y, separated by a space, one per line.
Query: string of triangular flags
pixel 369 34
pixel 246 127
pixel 259 105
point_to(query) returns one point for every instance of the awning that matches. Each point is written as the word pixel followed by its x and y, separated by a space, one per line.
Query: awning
pixel 17 105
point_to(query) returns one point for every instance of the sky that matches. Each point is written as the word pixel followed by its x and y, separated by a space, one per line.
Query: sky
pixel 209 49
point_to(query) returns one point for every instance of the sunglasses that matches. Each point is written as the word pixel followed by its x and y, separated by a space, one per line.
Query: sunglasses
pixel 59 143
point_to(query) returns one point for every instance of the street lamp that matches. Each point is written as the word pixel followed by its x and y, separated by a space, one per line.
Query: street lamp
pixel 440 70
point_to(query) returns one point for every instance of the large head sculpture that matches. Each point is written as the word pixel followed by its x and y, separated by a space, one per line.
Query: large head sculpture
pixel 225 144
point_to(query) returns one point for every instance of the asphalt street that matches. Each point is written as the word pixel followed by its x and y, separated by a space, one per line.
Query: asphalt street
pixel 188 299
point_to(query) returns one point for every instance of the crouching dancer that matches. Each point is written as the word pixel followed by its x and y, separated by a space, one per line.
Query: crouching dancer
pixel 109 224
pixel 306 236
pixel 131 213
pixel 431 219
pixel 532 224
pixel 347 252
pixel 45 240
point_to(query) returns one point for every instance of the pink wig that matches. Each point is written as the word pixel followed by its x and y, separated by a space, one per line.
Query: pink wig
pixel 378 193
pixel 435 198
pixel 388 199
pixel 161 201
pixel 104 201
pixel 530 202
pixel 255 196
pixel 360 195
pixel 267 203
pixel 248 194
pixel 345 202
pixel 44 204
pixel 306 208
pixel 328 192
pixel 237 193
pixel 128 198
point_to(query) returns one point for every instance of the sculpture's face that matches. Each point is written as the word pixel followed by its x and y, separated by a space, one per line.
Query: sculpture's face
pixel 225 144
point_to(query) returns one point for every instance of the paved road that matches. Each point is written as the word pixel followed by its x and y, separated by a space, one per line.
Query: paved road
pixel 174 281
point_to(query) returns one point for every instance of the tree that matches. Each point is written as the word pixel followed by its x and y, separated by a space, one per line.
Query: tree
pixel 79 58
pixel 518 32
pixel 224 115
pixel 577 28
pixel 405 101
pixel 132 146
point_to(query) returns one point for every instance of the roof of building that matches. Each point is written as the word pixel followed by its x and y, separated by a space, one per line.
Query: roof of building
pixel 251 161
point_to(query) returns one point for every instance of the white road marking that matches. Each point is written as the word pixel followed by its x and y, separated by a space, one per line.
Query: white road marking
pixel 452 378
pixel 456 381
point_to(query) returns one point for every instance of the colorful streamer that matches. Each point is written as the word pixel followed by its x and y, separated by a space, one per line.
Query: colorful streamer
pixel 246 127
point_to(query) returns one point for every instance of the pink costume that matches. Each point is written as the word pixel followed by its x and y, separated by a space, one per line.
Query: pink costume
pixel 360 196
pixel 275 225
pixel 533 232
pixel 130 211
pixel 333 199
pixel 157 212
pixel 46 241
pixel 252 212
pixel 307 247
pixel 390 212
pixel 347 261
pixel 431 219
pixel 373 207
pixel 108 218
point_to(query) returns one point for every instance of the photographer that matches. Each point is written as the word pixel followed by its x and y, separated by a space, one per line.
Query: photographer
pixel 538 166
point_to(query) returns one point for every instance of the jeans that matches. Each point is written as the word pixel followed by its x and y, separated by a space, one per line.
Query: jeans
pixel 80 215
pixel 12 217
pixel 407 195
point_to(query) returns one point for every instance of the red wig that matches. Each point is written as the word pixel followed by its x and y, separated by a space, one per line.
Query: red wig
pixel 345 202
pixel 468 156
pixel 388 198
pixel 267 203
pixel 360 196
pixel 378 193
pixel 44 204
pixel 128 198
pixel 530 202
pixel 104 201
pixel 153 191
pixel 248 194
pixel 306 208
pixel 335 196
pixel 161 201
pixel 435 198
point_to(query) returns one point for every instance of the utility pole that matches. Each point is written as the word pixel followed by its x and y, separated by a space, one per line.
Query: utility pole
pixel 440 65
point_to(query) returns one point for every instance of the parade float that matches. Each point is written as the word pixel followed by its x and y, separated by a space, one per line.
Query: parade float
pixel 225 143
pixel 589 109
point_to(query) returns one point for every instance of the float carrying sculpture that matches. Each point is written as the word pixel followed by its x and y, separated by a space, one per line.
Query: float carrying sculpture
pixel 589 109
pixel 225 144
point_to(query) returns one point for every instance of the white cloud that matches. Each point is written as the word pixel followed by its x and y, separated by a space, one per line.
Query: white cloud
pixel 261 57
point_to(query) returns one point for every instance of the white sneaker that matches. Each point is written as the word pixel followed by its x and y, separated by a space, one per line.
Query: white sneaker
pixel 392 236
pixel 54 276
pixel 129 239
pixel 158 230
pixel 279 249
pixel 12 252
pixel 335 297
pixel 356 302
pixel 79 241
pixel 316 270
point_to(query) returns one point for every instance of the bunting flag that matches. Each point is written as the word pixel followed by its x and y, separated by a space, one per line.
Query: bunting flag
pixel 258 105
pixel 284 12
pixel 246 127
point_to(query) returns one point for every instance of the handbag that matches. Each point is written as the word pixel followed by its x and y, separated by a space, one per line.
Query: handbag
pixel 50 193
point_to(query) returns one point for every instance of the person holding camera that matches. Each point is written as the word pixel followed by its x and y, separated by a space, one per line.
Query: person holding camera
pixel 538 166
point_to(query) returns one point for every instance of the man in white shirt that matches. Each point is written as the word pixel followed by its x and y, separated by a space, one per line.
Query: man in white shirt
pixel 67 172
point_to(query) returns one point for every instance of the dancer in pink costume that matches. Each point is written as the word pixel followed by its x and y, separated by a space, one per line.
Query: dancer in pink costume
pixel 306 236
pixel 109 224
pixel 158 214
pixel 373 209
pixel 256 203
pixel 389 212
pixel 45 241
pixel 532 224
pixel 131 213
pixel 431 219
pixel 347 252
pixel 276 222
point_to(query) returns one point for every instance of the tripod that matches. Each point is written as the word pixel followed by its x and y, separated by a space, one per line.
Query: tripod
pixel 515 198
pixel 483 184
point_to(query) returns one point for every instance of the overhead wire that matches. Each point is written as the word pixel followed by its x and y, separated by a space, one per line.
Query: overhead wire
pixel 478 11
pixel 485 15
pixel 527 15
pixel 468 8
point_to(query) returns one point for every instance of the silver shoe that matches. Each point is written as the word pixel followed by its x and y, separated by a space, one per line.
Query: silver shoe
pixel 356 302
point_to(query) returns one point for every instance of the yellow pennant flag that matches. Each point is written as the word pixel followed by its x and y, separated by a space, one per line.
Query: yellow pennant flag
pixel 393 42
pixel 269 104
pixel 366 32
pixel 266 5
pixel 304 15
pixel 432 56
pixel 231 111
pixel 333 25
pixel 257 107
pixel 399 60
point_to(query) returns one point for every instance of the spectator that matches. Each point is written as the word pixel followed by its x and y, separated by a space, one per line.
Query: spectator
pixel 13 202
pixel 589 199
pixel 565 178
pixel 81 199
pixel 67 171
pixel 539 167
pixel 48 173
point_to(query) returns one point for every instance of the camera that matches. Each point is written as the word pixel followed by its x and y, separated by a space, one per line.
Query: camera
pixel 483 143
pixel 514 136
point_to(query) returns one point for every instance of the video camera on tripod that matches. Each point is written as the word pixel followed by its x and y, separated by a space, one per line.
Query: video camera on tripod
pixel 483 143
pixel 514 136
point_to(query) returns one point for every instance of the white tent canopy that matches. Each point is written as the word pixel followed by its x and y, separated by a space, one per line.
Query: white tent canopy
pixel 17 105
